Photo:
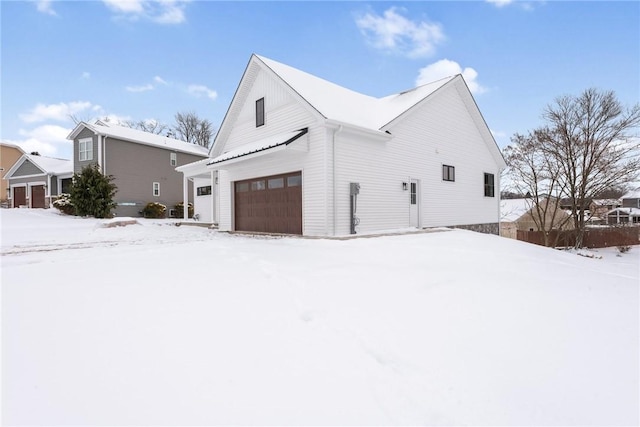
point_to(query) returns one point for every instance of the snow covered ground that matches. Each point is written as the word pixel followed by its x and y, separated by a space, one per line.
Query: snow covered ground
pixel 153 324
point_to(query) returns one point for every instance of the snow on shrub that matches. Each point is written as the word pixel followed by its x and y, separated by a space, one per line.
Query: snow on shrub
pixel 154 210
pixel 63 204
pixel 180 210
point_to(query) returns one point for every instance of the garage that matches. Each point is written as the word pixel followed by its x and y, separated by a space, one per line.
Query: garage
pixel 271 204
pixel 19 196
pixel 37 196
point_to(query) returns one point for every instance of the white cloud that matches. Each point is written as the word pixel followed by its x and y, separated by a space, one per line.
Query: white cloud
pixel 500 3
pixel 125 6
pixel 85 75
pixel 47 140
pixel 158 11
pixel 446 68
pixel 160 80
pixel 141 88
pixel 200 90
pixel 46 6
pixel 394 33
pixel 59 112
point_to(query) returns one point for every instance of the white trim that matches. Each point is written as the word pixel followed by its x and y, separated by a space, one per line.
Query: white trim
pixel 153 189
pixel 84 141
pixel 173 159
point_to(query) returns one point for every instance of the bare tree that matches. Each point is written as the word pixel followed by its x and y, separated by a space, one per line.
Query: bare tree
pixel 534 173
pixel 191 128
pixel 151 126
pixel 590 138
pixel 587 146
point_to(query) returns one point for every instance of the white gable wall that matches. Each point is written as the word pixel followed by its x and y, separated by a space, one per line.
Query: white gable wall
pixel 283 113
pixel 439 132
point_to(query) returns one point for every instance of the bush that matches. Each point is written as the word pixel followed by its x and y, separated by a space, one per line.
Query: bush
pixel 92 193
pixel 180 210
pixel 154 210
pixel 624 249
pixel 63 204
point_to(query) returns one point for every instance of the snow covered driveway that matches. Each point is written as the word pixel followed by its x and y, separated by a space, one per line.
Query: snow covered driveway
pixel 153 324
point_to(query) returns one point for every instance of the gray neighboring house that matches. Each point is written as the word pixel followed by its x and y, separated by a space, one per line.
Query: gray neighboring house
pixel 35 181
pixel 142 163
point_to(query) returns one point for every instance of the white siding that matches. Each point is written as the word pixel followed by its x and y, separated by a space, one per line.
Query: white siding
pixel 283 112
pixel 440 132
pixel 203 206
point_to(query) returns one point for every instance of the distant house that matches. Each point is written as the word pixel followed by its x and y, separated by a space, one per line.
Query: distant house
pixel 300 155
pixel 599 208
pixel 629 213
pixel 9 155
pixel 35 181
pixel 521 214
pixel 143 164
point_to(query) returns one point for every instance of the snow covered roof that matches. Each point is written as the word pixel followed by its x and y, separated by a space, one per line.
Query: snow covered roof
pixel 140 137
pixel 278 140
pixel 48 165
pixel 512 209
pixel 633 194
pixel 344 105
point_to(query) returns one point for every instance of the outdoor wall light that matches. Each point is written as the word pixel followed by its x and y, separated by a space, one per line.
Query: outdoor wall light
pixel 404 186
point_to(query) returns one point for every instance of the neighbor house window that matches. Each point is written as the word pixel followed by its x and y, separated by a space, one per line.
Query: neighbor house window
pixel 448 173
pixel 173 159
pixel 489 186
pixel 260 112
pixel 85 149
pixel 204 191
pixel 156 189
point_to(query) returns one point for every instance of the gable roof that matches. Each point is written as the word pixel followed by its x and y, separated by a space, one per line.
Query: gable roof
pixel 48 165
pixel 139 137
pixel 336 103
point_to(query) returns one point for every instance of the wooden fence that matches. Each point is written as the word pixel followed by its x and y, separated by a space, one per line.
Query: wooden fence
pixel 601 237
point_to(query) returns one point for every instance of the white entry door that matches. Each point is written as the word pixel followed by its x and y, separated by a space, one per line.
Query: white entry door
pixel 414 213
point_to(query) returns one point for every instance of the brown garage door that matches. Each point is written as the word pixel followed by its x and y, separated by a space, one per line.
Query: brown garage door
pixel 19 196
pixel 271 204
pixel 37 196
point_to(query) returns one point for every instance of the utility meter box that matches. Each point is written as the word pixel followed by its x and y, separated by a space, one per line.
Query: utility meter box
pixel 355 188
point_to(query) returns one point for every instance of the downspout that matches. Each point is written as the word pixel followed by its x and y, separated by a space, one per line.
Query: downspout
pixel 104 154
pixel 335 185
pixel 49 190
pixel 100 151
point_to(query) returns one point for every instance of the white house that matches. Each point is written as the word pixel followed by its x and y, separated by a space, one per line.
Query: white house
pixel 298 154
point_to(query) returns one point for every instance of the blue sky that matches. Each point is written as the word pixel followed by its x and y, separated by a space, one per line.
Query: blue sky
pixel 144 60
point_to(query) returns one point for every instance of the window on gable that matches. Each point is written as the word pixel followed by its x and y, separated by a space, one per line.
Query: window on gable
pixel 156 189
pixel 448 173
pixel 173 159
pixel 489 186
pixel 260 112
pixel 85 149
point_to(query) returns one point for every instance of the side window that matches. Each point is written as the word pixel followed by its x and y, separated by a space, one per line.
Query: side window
pixel 448 173
pixel 489 187
pixel 260 112
pixel 156 189
pixel 414 192
pixel 173 159
pixel 85 149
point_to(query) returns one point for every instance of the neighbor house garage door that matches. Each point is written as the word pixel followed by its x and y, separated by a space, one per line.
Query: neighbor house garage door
pixel 271 204
pixel 37 196
pixel 19 196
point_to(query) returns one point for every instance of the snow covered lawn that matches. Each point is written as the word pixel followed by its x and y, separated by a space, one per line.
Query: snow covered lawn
pixel 153 324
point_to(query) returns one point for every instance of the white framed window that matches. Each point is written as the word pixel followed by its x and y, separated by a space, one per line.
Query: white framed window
pixel 156 189
pixel 85 149
pixel 173 160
